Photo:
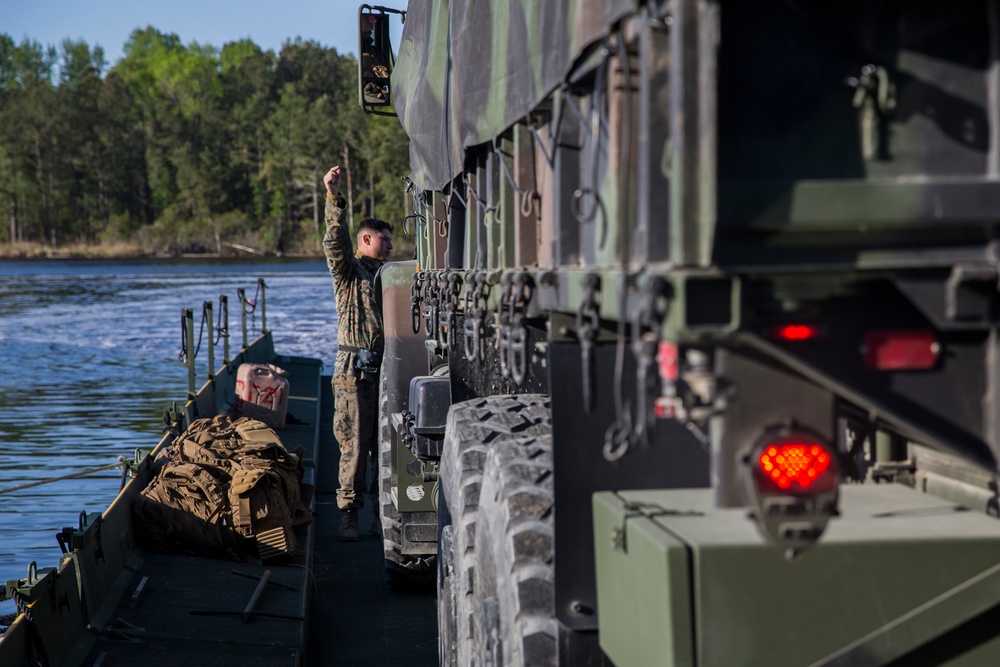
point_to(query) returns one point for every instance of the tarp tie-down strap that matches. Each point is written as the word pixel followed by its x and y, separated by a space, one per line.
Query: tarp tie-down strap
pixel 122 461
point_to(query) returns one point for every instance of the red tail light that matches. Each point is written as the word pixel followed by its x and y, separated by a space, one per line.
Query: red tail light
pixel 797 464
pixel 794 486
pixel 793 462
pixel 901 350
pixel 796 332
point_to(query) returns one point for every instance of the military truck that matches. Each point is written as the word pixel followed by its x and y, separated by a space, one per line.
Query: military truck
pixel 698 360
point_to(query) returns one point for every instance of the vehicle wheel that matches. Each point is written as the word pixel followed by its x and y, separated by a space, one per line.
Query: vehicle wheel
pixel 473 428
pixel 514 578
pixel 401 570
pixel 447 632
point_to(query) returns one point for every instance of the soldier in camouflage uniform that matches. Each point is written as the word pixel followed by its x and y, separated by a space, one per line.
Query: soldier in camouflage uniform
pixel 360 345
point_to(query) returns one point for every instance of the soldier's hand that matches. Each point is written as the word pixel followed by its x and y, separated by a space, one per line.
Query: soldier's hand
pixel 332 181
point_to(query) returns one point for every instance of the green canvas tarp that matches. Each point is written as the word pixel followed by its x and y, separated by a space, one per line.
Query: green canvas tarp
pixel 468 70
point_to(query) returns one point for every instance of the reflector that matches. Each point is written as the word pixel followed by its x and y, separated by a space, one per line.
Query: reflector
pixel 666 358
pixel 900 350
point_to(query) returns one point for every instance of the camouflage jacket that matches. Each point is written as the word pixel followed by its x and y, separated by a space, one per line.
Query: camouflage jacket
pixel 359 318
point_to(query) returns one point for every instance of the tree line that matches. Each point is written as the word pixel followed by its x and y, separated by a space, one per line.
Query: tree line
pixel 186 148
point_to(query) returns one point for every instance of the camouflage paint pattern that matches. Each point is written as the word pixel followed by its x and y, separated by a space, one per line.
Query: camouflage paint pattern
pixel 466 72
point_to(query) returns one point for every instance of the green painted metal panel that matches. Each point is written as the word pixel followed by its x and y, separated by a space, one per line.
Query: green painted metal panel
pixel 473 218
pixel 412 493
pixel 973 601
pixel 507 214
pixel 644 602
pixel 891 551
pixel 983 654
pixel 858 205
pixel 14 642
pixel 439 231
pixel 426 224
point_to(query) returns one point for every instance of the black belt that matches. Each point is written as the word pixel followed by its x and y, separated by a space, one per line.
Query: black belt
pixel 348 348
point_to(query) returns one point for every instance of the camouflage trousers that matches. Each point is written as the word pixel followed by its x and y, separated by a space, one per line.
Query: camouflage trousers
pixel 355 425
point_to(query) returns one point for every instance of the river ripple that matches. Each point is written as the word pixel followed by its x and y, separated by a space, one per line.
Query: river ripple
pixel 88 363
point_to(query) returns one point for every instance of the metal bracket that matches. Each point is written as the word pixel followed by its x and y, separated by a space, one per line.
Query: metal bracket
pixel 505 313
pixel 875 99
pixel 523 293
pixel 475 316
pixel 452 291
pixel 970 292
pixel 431 303
pixel 416 298
pixel 646 329
pixel 588 323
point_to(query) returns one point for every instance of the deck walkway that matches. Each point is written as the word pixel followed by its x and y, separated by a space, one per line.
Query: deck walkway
pixel 357 619
pixel 329 605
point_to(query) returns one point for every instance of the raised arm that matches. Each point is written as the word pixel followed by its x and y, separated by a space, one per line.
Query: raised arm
pixel 337 242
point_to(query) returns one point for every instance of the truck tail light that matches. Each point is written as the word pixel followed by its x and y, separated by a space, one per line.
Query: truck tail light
pixel 793 482
pixel 795 332
pixel 904 350
pixel 796 466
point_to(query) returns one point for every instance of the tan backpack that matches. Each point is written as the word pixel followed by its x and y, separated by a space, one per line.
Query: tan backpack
pixel 186 508
pixel 224 487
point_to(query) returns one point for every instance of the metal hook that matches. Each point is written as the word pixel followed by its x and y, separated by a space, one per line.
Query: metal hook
pixel 528 199
pixel 617 439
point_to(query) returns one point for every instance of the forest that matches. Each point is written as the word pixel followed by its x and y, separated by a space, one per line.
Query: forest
pixel 180 149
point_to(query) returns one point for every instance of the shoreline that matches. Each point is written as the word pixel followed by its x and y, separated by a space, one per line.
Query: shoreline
pixel 122 252
pixel 22 252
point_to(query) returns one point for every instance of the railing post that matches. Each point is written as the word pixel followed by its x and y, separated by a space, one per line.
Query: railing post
pixel 263 305
pixel 241 293
pixel 224 316
pixel 209 325
pixel 188 318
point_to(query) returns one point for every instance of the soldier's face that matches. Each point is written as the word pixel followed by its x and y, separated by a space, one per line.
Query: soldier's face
pixel 379 245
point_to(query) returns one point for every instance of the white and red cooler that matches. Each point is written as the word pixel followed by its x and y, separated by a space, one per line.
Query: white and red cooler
pixel 262 393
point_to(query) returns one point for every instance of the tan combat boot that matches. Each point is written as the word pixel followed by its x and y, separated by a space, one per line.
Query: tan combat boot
pixel 348 526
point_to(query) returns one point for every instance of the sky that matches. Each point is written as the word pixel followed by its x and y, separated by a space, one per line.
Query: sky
pixel 108 23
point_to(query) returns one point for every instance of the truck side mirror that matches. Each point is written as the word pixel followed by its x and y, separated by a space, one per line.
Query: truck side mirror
pixel 375 60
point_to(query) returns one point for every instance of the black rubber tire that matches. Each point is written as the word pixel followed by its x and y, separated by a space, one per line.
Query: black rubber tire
pixel 447 592
pixel 472 429
pixel 401 570
pixel 514 602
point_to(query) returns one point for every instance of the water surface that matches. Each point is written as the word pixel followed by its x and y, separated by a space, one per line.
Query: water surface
pixel 89 361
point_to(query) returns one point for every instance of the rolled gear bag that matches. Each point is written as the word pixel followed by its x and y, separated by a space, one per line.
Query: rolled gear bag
pixel 209 441
pixel 261 446
pixel 186 509
pixel 225 488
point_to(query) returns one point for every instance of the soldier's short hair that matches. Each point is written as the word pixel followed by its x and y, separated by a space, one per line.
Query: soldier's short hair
pixel 374 225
